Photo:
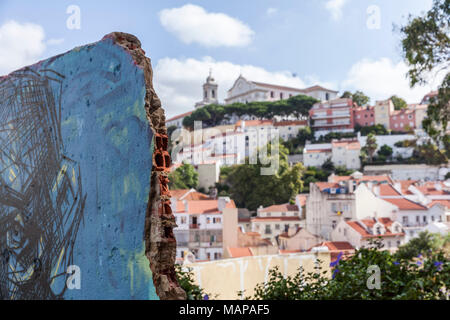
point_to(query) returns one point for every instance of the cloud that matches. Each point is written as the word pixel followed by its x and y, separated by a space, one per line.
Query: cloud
pixel 335 8
pixel 21 44
pixel 271 11
pixel 178 83
pixel 382 78
pixel 193 24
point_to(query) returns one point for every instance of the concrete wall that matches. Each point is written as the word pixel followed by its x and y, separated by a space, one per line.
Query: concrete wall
pixel 75 169
pixel 225 278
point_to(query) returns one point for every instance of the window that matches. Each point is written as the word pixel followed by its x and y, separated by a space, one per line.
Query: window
pixel 389 244
pixel 417 219
pixel 281 95
pixel 327 96
pixel 205 94
pixel 283 214
pixel 277 227
pixel 424 218
pixel 378 230
pixel 345 232
pixel 208 220
pixel 268 214
pixel 213 93
pixel 405 220
pixel 268 231
pixel 432 218
pixel 271 94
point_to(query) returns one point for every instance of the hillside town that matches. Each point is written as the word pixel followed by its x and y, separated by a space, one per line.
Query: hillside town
pixel 393 199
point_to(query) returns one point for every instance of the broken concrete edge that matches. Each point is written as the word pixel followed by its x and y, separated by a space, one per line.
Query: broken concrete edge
pixel 160 243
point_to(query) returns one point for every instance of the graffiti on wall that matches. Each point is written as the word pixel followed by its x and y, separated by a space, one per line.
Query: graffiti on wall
pixel 41 197
pixel 75 165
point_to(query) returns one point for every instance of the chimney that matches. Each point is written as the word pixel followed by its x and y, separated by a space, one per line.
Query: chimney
pixel 438 186
pixel 213 193
pixel 398 187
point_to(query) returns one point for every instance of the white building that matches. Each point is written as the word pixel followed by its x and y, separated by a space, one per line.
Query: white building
pixel 177 121
pixel 205 227
pixel 359 232
pixel 391 140
pixel 245 91
pixel 344 152
pixel 274 220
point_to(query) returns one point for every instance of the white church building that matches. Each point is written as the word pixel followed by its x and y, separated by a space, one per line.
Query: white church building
pixel 245 91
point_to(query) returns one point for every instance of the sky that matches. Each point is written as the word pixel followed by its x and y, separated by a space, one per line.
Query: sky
pixel 340 44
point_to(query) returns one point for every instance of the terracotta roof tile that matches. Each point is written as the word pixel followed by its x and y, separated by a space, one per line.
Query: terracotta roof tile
pixel 405 204
pixel 239 252
pixel 280 208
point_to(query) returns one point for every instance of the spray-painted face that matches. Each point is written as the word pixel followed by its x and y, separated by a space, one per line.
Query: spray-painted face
pixel 41 201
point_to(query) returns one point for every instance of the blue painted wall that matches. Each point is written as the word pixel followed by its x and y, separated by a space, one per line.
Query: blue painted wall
pixel 105 131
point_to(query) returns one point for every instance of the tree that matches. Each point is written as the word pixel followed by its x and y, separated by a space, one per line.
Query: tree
pixel 184 177
pixel 426 48
pixel 328 165
pixel 398 102
pixel 386 151
pixel 250 189
pixel 429 153
pixel 371 146
pixel 358 97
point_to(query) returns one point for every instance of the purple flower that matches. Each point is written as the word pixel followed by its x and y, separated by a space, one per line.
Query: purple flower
pixel 419 256
pixel 396 263
pixel 419 263
pixel 335 271
pixel 336 262
pixel 205 297
pixel 438 265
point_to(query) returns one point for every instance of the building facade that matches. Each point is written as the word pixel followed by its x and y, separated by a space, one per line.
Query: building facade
pixel 332 116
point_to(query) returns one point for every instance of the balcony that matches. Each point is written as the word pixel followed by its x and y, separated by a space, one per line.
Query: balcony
pixel 331 124
pixel 194 226
pixel 331 116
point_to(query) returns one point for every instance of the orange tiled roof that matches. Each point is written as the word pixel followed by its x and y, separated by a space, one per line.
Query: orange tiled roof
pixel 202 206
pixel 445 203
pixel 317 150
pixel 290 123
pixel 240 252
pixel 369 223
pixel 430 188
pixel 276 219
pixel 405 204
pixel 326 185
pixel 180 116
pixel 280 208
pixel 349 144
pixel 388 190
pixel 336 245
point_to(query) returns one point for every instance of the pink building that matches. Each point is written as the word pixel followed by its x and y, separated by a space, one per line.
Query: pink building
pixel 332 116
pixel 364 116
pixel 402 120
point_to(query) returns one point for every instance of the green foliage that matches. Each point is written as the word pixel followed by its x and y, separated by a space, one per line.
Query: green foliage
pixel 358 97
pixel 343 171
pixel 334 135
pixel 422 244
pixel 377 129
pixel 398 102
pixel 250 189
pixel 385 151
pixel 328 165
pixel 187 283
pixel 429 153
pixel 296 145
pixel 184 177
pixel 370 147
pixel 426 48
pixel 213 114
pixel 427 278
